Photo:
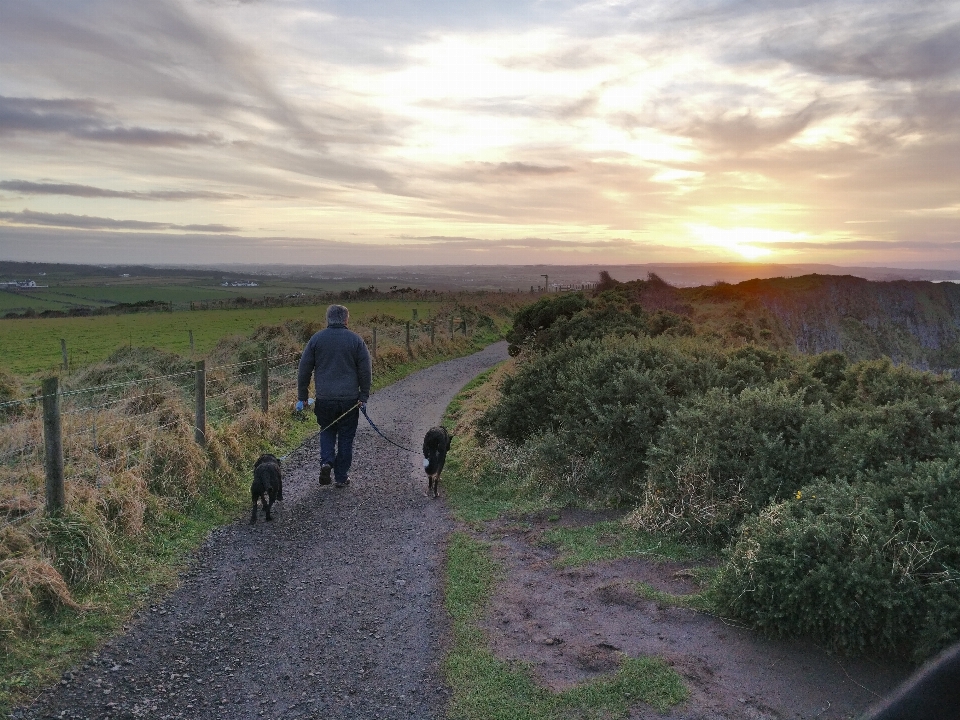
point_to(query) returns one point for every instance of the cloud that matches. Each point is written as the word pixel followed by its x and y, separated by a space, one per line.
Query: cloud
pixel 166 50
pixel 896 46
pixel 861 245
pixel 527 243
pixel 46 244
pixel 522 168
pixel 83 119
pixel 26 187
pixel 87 222
pixel 579 56
pixel 745 132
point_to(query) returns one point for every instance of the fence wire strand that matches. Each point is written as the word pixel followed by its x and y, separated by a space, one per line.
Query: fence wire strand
pixel 89 455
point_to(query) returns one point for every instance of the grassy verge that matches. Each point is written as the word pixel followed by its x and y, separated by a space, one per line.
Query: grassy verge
pixel 477 488
pixel 485 688
pixel 147 565
pixel 150 566
pixel 612 540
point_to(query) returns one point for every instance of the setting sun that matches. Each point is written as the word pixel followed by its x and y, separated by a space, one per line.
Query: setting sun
pixel 750 243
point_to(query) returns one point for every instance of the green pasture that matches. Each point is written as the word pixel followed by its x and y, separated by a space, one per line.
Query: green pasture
pixel 29 346
pixel 12 301
pixel 113 294
pixel 64 295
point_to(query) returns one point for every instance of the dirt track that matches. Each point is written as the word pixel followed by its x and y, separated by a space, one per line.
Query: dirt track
pixel 333 610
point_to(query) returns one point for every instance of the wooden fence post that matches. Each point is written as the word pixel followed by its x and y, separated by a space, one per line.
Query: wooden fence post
pixel 200 427
pixel 433 326
pixel 409 349
pixel 53 445
pixel 191 339
pixel 66 360
pixel 451 327
pixel 264 383
pixel 374 343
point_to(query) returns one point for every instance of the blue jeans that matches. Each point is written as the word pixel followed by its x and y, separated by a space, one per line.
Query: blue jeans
pixel 336 442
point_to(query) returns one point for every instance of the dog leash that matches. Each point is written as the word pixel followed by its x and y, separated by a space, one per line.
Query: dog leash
pixel 328 426
pixel 342 416
pixel 377 431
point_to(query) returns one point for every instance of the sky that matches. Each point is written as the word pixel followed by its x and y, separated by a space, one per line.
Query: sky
pixel 468 132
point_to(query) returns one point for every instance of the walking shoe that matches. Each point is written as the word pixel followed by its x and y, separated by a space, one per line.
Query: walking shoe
pixel 325 474
pixel 340 484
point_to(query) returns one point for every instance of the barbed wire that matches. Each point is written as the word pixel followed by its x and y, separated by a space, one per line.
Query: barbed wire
pixel 110 386
pixel 21 518
pixel 126 383
pixel 22 450
pixel 24 401
pixel 88 408
pixel 89 452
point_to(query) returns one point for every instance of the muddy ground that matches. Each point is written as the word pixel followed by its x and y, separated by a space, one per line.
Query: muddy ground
pixel 572 624
pixel 334 609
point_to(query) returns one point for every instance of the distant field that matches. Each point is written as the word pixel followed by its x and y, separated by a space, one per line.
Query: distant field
pixel 20 301
pixel 64 295
pixel 139 293
pixel 30 346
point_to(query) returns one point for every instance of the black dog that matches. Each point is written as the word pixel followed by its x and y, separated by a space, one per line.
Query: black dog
pixel 267 482
pixel 435 445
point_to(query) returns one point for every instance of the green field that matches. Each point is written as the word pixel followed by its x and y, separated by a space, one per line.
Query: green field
pixel 11 301
pixel 113 294
pixel 29 346
pixel 181 292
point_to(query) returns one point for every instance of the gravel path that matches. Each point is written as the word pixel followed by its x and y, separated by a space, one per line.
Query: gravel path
pixel 334 610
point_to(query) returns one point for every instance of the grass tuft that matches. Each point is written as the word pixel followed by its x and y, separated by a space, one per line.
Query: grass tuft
pixel 613 540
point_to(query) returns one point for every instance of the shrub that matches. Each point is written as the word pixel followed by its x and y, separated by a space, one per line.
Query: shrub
pixel 593 323
pixel 852 566
pixel 724 456
pixel 542 314
pixel 609 398
pixel 664 322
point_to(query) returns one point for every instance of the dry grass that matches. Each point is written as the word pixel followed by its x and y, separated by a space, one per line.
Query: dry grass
pixel 691 508
pixel 28 582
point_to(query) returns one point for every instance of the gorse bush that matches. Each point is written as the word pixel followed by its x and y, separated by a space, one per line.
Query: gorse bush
pixel 611 397
pixel 855 566
pixel 832 485
pixel 552 321
pixel 747 450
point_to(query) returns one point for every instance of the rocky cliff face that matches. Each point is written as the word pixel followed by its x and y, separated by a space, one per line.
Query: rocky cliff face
pixel 912 322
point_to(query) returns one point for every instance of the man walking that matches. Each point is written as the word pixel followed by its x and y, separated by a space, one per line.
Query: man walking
pixel 340 363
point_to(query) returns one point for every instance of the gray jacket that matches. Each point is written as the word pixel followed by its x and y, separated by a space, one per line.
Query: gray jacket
pixel 340 363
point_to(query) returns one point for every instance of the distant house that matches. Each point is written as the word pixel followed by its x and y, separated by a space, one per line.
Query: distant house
pixel 22 284
pixel 125 275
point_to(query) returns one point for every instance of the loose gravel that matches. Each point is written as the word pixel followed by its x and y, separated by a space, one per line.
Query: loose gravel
pixel 333 610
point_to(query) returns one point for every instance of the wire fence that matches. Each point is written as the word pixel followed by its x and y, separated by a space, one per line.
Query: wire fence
pixel 116 424
pixel 109 428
